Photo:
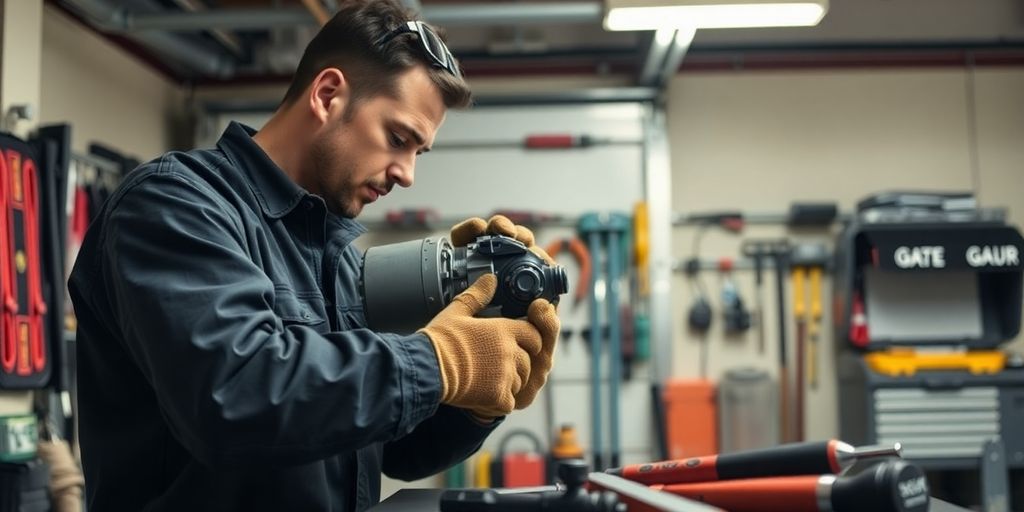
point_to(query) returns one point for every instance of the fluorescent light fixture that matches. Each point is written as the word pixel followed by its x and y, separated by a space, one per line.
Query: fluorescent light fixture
pixel 662 14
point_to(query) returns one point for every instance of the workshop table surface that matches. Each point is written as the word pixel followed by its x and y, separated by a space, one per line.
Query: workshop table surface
pixel 428 500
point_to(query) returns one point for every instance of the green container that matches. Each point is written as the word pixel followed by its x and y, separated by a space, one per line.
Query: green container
pixel 19 438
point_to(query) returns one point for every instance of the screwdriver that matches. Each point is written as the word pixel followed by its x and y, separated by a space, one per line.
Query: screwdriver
pixel 811 458
pixel 891 486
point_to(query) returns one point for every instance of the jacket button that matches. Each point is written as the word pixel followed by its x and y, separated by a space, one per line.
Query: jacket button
pixel 305 314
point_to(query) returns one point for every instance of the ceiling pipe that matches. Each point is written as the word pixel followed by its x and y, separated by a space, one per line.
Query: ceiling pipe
pixel 236 19
pixel 680 45
pixel 318 11
pixel 227 39
pixel 110 18
pixel 655 59
pixel 453 15
pixel 514 14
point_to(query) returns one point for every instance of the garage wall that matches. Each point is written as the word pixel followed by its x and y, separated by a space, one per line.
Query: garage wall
pixel 106 94
pixel 999 102
pixel 756 141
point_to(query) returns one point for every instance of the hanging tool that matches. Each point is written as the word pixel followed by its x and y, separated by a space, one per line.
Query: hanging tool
pixel 755 253
pixel 814 328
pixel 814 458
pixel 890 486
pixel 800 313
pixel 778 250
pixel 605 231
pixel 699 316
pixel 734 311
pixel 627 326
pixel 641 318
pixel 627 286
pixel 594 334
pixel 541 142
pixel 779 254
pixel 641 247
pixel 579 252
pixel 560 141
pixel 808 261
pixel 615 266
pixel 641 281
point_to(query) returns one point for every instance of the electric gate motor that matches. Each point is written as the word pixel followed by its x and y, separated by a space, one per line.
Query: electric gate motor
pixel 406 284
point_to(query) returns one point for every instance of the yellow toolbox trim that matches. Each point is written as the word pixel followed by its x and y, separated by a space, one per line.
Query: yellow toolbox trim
pixel 907 362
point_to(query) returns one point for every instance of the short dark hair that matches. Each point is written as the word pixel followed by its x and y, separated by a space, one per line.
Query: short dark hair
pixel 348 41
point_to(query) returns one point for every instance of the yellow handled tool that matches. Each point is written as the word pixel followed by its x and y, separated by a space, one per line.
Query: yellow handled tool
pixel 800 314
pixel 814 329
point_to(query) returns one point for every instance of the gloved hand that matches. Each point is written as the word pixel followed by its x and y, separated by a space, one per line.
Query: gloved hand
pixel 541 313
pixel 485 362
pixel 466 231
pixel 543 316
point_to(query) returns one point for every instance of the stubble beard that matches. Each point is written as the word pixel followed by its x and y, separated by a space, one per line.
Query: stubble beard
pixel 342 199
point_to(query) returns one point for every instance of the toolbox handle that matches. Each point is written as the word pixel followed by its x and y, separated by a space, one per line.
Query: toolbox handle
pixel 950 382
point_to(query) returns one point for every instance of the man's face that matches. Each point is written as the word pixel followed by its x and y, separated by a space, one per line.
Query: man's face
pixel 361 155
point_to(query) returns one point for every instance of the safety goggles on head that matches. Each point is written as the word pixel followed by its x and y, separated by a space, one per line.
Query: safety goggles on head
pixel 431 43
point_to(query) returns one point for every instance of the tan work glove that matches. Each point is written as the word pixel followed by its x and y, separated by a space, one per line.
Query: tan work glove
pixel 543 316
pixel 541 313
pixel 466 231
pixel 485 362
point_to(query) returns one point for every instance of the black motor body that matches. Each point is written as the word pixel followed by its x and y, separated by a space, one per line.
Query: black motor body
pixel 405 284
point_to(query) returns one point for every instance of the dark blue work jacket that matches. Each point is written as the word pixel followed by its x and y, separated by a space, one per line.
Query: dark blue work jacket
pixel 222 359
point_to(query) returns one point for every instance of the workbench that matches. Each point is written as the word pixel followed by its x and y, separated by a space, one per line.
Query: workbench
pixel 428 500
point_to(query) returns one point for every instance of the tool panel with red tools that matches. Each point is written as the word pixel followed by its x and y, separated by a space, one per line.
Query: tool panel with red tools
pixel 24 353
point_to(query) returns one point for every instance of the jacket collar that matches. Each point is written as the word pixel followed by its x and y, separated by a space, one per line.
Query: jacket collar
pixel 277 194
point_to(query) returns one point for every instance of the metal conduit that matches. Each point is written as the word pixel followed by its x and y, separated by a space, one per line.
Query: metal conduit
pixel 454 15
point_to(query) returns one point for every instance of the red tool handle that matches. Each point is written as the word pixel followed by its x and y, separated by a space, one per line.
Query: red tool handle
pixel 37 304
pixel 559 141
pixel 551 141
pixel 582 255
pixel 789 493
pixel 696 469
pixel 9 306
pixel 888 486
pixel 814 458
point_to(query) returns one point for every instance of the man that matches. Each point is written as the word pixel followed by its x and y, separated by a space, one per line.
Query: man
pixel 223 363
